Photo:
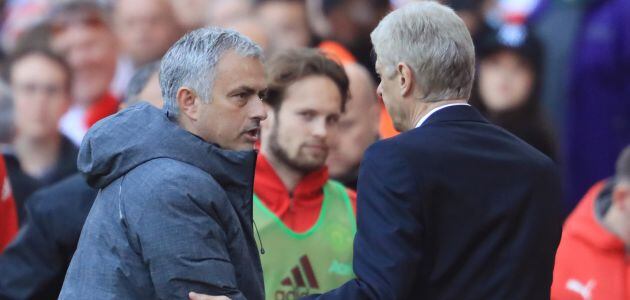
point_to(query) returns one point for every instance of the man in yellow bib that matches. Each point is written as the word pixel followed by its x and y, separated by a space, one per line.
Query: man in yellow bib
pixel 306 221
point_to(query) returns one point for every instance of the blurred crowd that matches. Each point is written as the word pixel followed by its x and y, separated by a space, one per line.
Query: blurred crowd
pixel 555 73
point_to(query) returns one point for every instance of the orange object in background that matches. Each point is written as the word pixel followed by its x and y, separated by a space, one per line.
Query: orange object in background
pixel 8 212
pixel 337 52
pixel 386 129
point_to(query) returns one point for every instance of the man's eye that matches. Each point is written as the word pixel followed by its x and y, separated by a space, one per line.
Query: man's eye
pixel 307 115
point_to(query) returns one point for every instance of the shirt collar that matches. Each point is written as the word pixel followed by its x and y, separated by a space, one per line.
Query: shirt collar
pixel 437 109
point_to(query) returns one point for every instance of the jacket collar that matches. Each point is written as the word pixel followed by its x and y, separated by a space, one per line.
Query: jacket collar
pixel 455 113
pixel 271 190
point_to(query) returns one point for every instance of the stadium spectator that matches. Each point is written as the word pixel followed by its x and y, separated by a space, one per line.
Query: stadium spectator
pixel 306 220
pixel 39 154
pixel 592 259
pixel 358 127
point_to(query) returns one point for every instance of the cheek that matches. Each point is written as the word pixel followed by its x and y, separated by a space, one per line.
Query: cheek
pixel 488 81
pixel 522 85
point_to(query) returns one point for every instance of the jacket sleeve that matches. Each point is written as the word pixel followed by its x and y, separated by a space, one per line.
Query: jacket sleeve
pixel 32 266
pixel 387 246
pixel 180 238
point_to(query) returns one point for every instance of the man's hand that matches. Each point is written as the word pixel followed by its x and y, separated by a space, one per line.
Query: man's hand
pixel 195 296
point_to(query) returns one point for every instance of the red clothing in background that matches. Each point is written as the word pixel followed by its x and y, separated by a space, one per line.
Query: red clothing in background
pixel 298 210
pixel 8 213
pixel 591 262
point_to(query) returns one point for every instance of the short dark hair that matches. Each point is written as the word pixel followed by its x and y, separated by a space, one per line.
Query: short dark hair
pixel 623 165
pixel 46 53
pixel 290 66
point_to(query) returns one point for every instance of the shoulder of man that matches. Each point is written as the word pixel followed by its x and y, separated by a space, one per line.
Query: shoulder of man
pixel 165 182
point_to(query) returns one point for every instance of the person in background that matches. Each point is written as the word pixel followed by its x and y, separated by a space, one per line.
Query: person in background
pixel 8 212
pixel 223 12
pixel 39 154
pixel 192 14
pixel 306 220
pixel 592 259
pixel 351 22
pixel 251 27
pixel 358 127
pixel 287 21
pixel 82 33
pixel 35 264
pixel 144 86
pixel 508 86
pixel 145 29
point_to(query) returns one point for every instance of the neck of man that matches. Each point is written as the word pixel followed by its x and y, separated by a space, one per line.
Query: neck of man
pixel 289 176
pixel 422 108
pixel 617 223
pixel 37 155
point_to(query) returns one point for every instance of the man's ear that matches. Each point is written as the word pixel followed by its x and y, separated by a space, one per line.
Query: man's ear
pixel 406 79
pixel 621 196
pixel 188 103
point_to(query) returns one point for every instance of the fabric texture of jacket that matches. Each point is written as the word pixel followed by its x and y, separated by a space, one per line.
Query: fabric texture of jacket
pixel 173 214
pixel 24 185
pixel 454 209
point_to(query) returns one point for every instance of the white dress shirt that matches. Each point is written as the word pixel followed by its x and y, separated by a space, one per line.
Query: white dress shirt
pixel 436 109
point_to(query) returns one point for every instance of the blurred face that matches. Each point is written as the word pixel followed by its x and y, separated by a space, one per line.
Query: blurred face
pixel 389 91
pixel 146 28
pixel 40 96
pixel 225 11
pixel 358 126
pixel 299 135
pixel 287 21
pixel 191 14
pixel 89 48
pixel 232 118
pixel 505 81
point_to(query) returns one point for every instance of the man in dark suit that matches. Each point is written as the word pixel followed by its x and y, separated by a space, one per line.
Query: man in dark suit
pixel 454 207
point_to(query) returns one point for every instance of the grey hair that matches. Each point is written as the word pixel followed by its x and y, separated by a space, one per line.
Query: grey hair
pixel 192 60
pixel 139 81
pixel 434 42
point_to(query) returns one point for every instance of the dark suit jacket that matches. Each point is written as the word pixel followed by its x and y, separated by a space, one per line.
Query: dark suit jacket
pixel 455 209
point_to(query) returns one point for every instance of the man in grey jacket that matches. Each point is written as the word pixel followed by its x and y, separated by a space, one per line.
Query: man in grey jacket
pixel 174 212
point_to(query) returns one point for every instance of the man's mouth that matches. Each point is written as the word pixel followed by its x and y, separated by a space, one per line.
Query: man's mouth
pixel 252 135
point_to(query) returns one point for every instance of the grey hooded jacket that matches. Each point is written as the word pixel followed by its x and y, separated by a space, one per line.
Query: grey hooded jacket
pixel 173 214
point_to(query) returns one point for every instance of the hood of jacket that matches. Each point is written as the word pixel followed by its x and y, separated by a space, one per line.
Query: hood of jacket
pixel 121 142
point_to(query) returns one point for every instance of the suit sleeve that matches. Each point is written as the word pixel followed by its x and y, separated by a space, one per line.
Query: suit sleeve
pixel 184 245
pixel 388 243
